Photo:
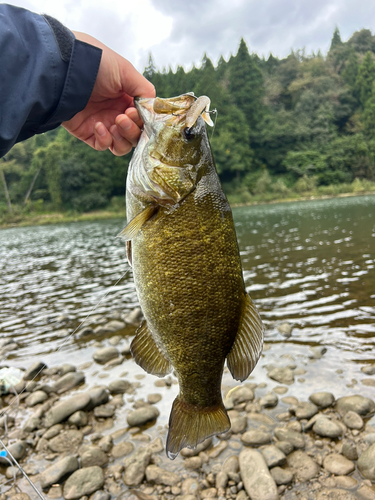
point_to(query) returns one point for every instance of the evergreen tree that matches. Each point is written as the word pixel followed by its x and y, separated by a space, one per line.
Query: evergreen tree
pixel 365 79
pixel 350 72
pixel 336 40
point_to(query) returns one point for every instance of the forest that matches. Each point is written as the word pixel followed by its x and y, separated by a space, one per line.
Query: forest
pixel 286 128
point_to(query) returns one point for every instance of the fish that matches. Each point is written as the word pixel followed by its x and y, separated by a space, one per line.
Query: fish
pixel 182 246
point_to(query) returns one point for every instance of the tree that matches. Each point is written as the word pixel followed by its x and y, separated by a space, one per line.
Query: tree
pixel 365 79
pixel 336 40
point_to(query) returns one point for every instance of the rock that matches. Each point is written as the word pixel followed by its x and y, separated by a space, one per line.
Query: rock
pixel 105 354
pixel 79 418
pixel 282 375
pixel 353 420
pixel 34 370
pixel 285 329
pixel 157 475
pixel 189 452
pixel 256 437
pixel 114 326
pixel 269 400
pixel 303 466
pixel 322 399
pixel 326 427
pixel 359 404
pixel 156 446
pixel 31 424
pixel 56 472
pixel 20 496
pixel 191 463
pixel 104 411
pixel 335 494
pixel 338 464
pixel 368 369
pixel 142 415
pixel 295 438
pixel 53 431
pixel 106 443
pixel 68 381
pixel 154 398
pixel 304 410
pixel 241 394
pixel 83 482
pixel 209 493
pixel 100 495
pixel 366 463
pixel 365 492
pixel 66 441
pixel 134 317
pixel 258 482
pixel 65 408
pixel 98 396
pixel 217 450
pixel 221 480
pixel 282 476
pixel 190 486
pixel 17 449
pixel 122 449
pixel 36 398
pixel 349 451
pixel 285 446
pixel 317 352
pixel 238 424
pixel 119 386
pixel 231 464
pixel 273 456
pixel 135 466
pixel 66 368
pixel 93 456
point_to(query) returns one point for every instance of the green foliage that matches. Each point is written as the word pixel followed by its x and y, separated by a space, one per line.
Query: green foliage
pixel 302 125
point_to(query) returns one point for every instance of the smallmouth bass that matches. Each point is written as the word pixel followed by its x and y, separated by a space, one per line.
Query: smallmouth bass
pixel 182 246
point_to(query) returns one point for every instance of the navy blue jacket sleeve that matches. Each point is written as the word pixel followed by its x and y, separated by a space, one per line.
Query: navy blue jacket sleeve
pixel 41 85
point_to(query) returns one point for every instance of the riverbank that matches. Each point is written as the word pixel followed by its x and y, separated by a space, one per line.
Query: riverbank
pixel 24 218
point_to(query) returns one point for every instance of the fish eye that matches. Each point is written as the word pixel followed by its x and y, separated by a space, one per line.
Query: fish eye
pixel 188 133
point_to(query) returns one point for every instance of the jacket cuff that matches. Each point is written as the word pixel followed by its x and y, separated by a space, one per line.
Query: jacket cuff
pixel 79 83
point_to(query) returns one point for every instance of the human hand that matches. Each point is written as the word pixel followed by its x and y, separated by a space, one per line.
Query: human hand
pixel 109 120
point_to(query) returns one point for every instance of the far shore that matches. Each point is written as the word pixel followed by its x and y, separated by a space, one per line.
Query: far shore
pixel 39 219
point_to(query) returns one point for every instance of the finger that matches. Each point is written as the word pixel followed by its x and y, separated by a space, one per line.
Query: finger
pixel 133 83
pixel 128 129
pixel 133 114
pixel 103 139
pixel 120 146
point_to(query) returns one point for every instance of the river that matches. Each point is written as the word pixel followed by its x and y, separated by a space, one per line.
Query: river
pixel 307 263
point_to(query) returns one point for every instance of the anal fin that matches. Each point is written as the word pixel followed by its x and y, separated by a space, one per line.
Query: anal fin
pixel 248 344
pixel 147 354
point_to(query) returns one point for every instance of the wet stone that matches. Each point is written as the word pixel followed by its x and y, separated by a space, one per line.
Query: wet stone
pixel 258 482
pixel 366 463
pixel 285 329
pixel 53 431
pixel 303 466
pixel 66 441
pixel 122 449
pixel 337 464
pixel 188 452
pixel 142 415
pixel 135 466
pixel 283 375
pixel 68 382
pixel 105 354
pixel 58 470
pixel 326 427
pixel 295 438
pixel 190 486
pixel 353 420
pixel 34 370
pixel 83 482
pixel 98 396
pixel 119 386
pixel 269 400
pixel 322 399
pixel 368 369
pixel 65 408
pixel 285 446
pixel 79 418
pixel 359 404
pixel 104 411
pixel 18 450
pixel 100 495
pixel 93 456
pixel 256 437
pixel 304 410
pixel 36 398
pixel 231 464
pixel 238 424
pixel 217 450
pixel 241 394
pixel 349 451
pixel 282 476
pixel 192 463
pixel 273 456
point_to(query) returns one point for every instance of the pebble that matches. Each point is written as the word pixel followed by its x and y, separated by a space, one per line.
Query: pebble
pixel 157 475
pixel 295 438
pixel 66 441
pixel 337 464
pixel 93 456
pixel 65 408
pixel 78 418
pixel 258 482
pixel 68 381
pixel 349 450
pixel 122 449
pixel 18 450
pixel 366 463
pixel 256 437
pixel 119 386
pixel 304 410
pixel 217 450
pixel 368 369
pixel 83 482
pixel 36 398
pixel 359 404
pixel 98 396
pixel 285 329
pixel 142 415
pixel 353 420
pixel 283 375
pixel 135 466
pixel 238 424
pixel 34 370
pixel 241 394
pixel 231 464
pixel 302 465
pixel 58 470
pixel 190 486
pixel 285 446
pixel 104 411
pixel 192 452
pixel 105 354
pixel 193 463
pixel 273 456
pixel 282 476
pixel 325 427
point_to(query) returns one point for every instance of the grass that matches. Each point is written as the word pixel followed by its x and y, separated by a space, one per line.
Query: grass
pixel 36 214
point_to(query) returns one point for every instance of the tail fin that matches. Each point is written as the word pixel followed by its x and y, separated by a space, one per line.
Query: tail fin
pixel 189 425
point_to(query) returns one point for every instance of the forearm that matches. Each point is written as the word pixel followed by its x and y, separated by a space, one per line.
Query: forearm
pixel 45 77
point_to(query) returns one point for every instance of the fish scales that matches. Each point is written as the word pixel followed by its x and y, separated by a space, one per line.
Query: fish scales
pixel 182 245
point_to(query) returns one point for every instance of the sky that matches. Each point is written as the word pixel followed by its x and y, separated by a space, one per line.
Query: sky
pixel 180 32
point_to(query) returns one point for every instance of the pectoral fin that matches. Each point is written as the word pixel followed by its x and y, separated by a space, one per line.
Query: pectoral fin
pixel 147 354
pixel 248 344
pixel 129 252
pixel 137 222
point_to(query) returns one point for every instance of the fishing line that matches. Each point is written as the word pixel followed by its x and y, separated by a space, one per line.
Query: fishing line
pixel 16 398
pixel 215 112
